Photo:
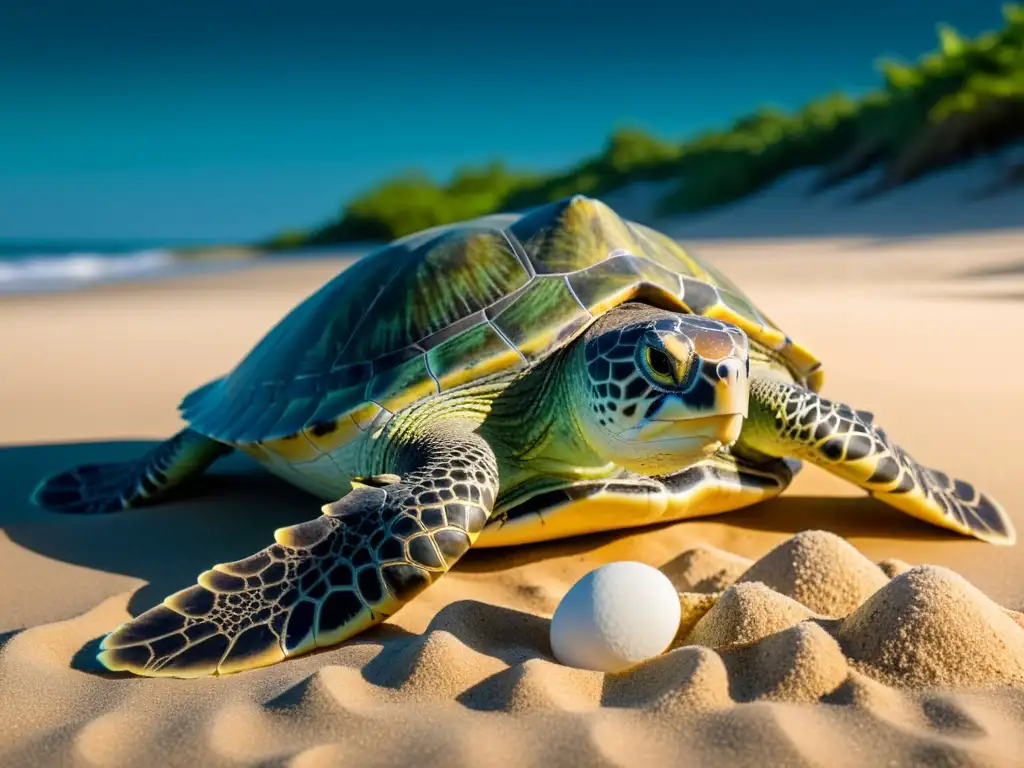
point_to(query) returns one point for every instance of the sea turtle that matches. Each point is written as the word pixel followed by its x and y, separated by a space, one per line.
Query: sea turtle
pixel 505 380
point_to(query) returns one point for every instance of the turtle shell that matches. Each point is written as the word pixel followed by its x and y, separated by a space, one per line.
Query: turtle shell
pixel 451 305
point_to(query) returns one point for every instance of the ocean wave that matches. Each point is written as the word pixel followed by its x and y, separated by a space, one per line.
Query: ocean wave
pixel 70 271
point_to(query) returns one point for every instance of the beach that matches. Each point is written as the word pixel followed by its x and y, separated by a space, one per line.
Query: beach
pixel 922 331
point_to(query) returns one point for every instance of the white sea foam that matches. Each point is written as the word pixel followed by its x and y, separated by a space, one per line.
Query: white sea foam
pixel 31 273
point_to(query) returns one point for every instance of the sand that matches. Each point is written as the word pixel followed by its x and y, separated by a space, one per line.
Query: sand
pixel 897 643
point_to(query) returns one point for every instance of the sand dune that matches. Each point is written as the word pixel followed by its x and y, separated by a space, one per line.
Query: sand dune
pixel 895 644
pixel 958 199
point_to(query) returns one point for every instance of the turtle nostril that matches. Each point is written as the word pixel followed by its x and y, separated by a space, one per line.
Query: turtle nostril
pixel 729 370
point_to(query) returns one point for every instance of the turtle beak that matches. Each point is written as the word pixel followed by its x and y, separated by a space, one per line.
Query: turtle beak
pixel 732 389
pixel 676 420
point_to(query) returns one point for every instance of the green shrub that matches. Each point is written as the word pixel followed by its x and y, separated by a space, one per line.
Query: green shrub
pixel 963 98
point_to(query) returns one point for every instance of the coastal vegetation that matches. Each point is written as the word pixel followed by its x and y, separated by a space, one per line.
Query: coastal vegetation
pixel 963 99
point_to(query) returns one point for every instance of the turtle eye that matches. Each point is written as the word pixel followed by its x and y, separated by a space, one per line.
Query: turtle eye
pixel 659 365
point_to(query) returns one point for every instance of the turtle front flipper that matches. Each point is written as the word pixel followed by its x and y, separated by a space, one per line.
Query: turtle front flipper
pixel 788 420
pixel 99 488
pixel 328 579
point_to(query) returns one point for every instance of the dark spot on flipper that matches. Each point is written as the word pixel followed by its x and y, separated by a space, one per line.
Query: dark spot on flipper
pixel 833 449
pixel 321 549
pixel 168 645
pixel 273 573
pixel 271 593
pixel 452 543
pixel 866 417
pixel 218 581
pixel 200 631
pixel 858 447
pixel 886 472
pixel 338 609
pixel 963 490
pixel 369 585
pixel 195 601
pixel 309 534
pixel 907 483
pixel 249 645
pixel 391 549
pixel 822 431
pixel 405 581
pixel 422 550
pixel 406 526
pixel 205 655
pixel 458 514
pixel 133 657
pixel 250 566
pixel 317 591
pixel 308 579
pixel 989 514
pixel 432 518
pixel 340 575
pixel 300 625
pixel 156 622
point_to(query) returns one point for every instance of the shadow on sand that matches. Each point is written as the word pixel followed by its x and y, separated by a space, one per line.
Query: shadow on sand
pixel 232 512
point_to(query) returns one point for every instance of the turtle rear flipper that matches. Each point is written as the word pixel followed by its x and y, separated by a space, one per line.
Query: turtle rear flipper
pixel 99 488
pixel 788 420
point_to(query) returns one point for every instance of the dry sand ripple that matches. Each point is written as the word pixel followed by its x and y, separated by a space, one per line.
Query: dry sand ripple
pixel 835 663
pixel 817 655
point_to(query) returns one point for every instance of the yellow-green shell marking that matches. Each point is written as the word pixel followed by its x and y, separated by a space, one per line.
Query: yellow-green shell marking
pixel 449 306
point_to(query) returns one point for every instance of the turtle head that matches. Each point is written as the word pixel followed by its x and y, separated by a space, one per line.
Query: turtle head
pixel 662 388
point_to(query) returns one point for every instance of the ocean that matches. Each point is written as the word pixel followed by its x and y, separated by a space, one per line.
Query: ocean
pixel 57 266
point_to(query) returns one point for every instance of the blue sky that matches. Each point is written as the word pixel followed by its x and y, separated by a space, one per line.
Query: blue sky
pixel 199 119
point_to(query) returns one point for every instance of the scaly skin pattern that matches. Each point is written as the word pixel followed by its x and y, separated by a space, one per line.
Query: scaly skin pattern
pixel 788 420
pixel 325 580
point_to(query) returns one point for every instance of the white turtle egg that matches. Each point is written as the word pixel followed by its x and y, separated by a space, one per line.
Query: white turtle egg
pixel 615 617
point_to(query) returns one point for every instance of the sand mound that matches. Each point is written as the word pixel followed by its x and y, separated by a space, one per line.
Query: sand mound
pixel 689 678
pixel 479 625
pixel 799 664
pixel 1017 616
pixel 692 608
pixel 744 614
pixel 820 570
pixel 330 689
pixel 869 695
pixel 930 627
pixel 435 667
pixel 893 567
pixel 536 685
pixel 114 738
pixel 705 569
